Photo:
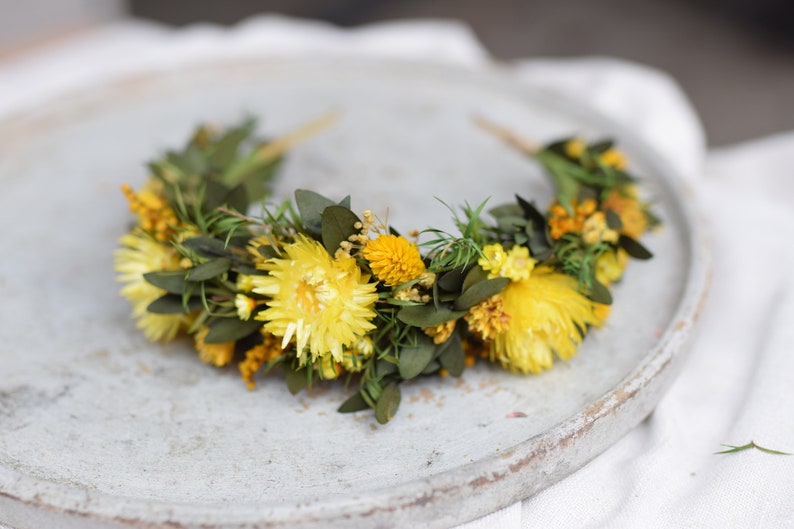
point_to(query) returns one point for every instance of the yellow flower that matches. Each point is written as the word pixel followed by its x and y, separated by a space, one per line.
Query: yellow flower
pixel 394 260
pixel 614 158
pixel 154 214
pixel 628 207
pixel 245 282
pixel 217 354
pixel 140 254
pixel 488 318
pixel 440 333
pixel 547 316
pixel 245 306
pixel 328 368
pixel 321 302
pixel 257 356
pixel 595 229
pixel 610 266
pixel 561 222
pixel 575 147
pixel 515 264
pixel 354 357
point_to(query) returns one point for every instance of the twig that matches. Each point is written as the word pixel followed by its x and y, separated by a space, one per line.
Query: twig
pixel 269 152
pixel 506 135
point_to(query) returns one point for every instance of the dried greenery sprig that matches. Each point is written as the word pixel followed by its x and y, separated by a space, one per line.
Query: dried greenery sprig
pixel 322 292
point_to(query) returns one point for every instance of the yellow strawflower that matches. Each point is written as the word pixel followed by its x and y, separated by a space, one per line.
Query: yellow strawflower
pixel 217 354
pixel 394 260
pixel 515 264
pixel 610 266
pixel 324 304
pixel 440 333
pixel 488 318
pixel 628 207
pixel 614 158
pixel 140 254
pixel 245 306
pixel 354 357
pixel 546 315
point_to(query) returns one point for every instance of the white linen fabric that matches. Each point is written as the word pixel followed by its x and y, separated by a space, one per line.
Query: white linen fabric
pixel 737 383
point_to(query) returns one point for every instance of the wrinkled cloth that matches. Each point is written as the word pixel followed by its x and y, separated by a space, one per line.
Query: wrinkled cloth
pixel 737 382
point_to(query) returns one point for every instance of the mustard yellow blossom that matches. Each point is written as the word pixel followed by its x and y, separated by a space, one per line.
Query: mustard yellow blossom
pixel 561 222
pixel 394 260
pixel 440 333
pixel 488 318
pixel 546 315
pixel 140 254
pixel 575 147
pixel 614 158
pixel 152 210
pixel 322 303
pixel 628 207
pixel 257 356
pixel 217 354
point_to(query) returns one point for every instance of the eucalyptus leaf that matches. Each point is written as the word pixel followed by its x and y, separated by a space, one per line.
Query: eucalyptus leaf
pixel 613 220
pixel 600 294
pixel 297 380
pixel 414 359
pixel 383 367
pixel 475 275
pixel 209 269
pixel 173 282
pixel 337 225
pixel 353 404
pixel 388 403
pixel 225 149
pixel 451 355
pixel 479 292
pixel 451 281
pixel 431 368
pixel 207 247
pixel 172 304
pixel 506 210
pixel 427 315
pixel 311 206
pixel 224 330
pixel 634 248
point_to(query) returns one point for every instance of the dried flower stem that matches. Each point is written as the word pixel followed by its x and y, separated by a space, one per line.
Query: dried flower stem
pixel 506 135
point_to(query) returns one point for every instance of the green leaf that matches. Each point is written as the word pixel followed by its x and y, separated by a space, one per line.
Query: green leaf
pixel 207 247
pixel 355 403
pixel 224 330
pixel 209 269
pixel 733 449
pixel 172 304
pixel 173 282
pixel 506 210
pixel 452 281
pixel 388 403
pixel 427 315
pixel 451 355
pixel 634 248
pixel 311 206
pixel 224 150
pixel 337 225
pixel 479 292
pixel 414 359
pixel 474 276
pixel 600 294
pixel 297 380
pixel 613 220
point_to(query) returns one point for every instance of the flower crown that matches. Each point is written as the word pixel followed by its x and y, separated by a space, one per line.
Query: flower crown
pixel 323 292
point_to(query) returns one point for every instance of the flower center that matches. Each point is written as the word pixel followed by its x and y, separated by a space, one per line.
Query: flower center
pixel 307 297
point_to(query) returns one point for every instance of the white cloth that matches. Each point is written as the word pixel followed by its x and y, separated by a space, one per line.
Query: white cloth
pixel 737 384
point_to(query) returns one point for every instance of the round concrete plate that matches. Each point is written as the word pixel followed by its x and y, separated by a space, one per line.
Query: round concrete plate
pixel 101 429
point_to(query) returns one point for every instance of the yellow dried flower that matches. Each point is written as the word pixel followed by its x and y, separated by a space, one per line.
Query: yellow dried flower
pixel 257 356
pixel 354 357
pixel 324 304
pixel 154 214
pixel 245 306
pixel 610 266
pixel 488 318
pixel 614 158
pixel 515 264
pixel 440 333
pixel 546 315
pixel 595 229
pixel 217 354
pixel 394 260
pixel 575 147
pixel 632 216
pixel 140 254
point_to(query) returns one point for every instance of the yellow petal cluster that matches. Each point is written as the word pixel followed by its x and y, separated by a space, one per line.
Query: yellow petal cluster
pixel 324 304
pixel 515 264
pixel 394 260
pixel 217 354
pixel 547 317
pixel 139 254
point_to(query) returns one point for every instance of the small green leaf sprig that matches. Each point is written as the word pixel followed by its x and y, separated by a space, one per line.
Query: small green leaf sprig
pixel 319 291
